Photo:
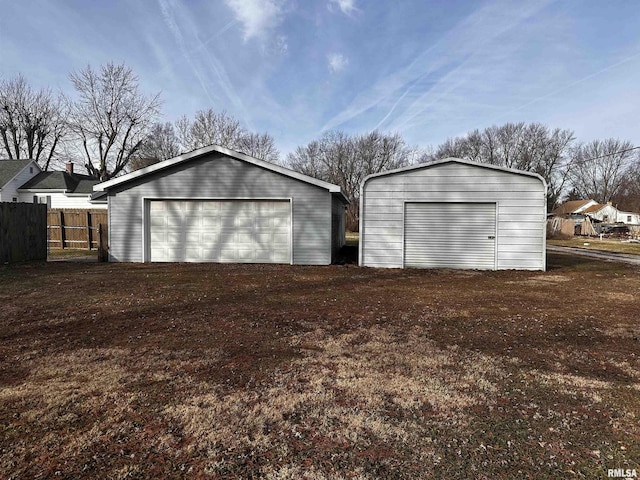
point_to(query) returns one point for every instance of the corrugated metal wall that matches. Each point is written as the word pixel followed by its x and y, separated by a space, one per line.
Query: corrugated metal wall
pixel 520 202
pixel 450 235
pixel 218 176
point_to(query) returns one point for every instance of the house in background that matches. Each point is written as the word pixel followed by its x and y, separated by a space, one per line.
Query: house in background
pixel 218 205
pixel 573 207
pixel 607 213
pixel 24 181
pixel 582 211
pixel 60 190
pixel 13 174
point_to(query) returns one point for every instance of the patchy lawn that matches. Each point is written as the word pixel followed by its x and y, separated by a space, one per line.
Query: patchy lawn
pixel 606 245
pixel 228 371
pixel 59 253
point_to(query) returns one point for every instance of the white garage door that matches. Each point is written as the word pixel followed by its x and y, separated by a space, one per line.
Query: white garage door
pixel 450 235
pixel 233 231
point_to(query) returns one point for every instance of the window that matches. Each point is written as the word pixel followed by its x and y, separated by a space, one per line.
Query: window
pixel 605 218
pixel 15 199
pixel 628 218
pixel 30 169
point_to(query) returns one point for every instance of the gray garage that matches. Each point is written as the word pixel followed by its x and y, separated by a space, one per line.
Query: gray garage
pixel 217 205
pixel 453 213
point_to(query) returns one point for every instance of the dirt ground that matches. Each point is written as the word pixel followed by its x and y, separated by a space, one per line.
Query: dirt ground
pixel 255 371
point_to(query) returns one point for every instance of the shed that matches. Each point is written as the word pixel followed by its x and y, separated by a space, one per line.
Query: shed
pixel 218 205
pixel 453 213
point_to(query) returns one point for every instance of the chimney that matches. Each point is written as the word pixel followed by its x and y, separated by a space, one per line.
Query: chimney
pixel 69 167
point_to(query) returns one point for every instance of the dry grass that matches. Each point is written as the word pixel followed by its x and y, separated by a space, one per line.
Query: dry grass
pixel 59 253
pixel 225 371
pixel 605 245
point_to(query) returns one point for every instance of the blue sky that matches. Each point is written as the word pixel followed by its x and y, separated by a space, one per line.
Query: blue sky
pixel 425 69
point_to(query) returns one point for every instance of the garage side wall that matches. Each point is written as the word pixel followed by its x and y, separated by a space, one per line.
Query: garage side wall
pixel 338 225
pixel 520 202
pixel 221 177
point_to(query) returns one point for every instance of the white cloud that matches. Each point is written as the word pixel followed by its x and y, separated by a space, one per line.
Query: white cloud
pixel 256 16
pixel 348 7
pixel 337 62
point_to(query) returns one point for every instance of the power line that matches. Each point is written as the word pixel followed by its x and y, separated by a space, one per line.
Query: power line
pixel 585 160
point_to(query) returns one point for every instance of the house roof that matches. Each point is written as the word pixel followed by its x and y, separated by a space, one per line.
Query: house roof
pixel 185 157
pixel 69 182
pixel 571 207
pixel 459 161
pixel 594 208
pixel 10 168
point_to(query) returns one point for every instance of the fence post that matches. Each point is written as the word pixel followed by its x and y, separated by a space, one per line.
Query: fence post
pixel 103 243
pixel 88 230
pixel 62 235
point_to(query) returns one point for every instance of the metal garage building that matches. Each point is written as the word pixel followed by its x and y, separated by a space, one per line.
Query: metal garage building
pixel 453 213
pixel 217 205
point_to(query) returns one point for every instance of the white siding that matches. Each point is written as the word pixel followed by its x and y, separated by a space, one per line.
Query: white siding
pixel 217 176
pixel 10 190
pixel 520 202
pixel 61 200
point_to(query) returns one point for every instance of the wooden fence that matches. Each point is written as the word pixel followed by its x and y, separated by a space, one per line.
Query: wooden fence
pixel 74 228
pixel 23 232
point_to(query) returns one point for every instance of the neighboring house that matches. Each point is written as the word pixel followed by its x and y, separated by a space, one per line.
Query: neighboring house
pixel 453 213
pixel 218 205
pixel 13 174
pixel 24 181
pixel 573 207
pixel 60 190
pixel 607 213
pixel 602 212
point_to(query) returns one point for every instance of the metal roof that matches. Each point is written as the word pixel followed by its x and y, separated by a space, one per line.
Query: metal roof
pixel 443 161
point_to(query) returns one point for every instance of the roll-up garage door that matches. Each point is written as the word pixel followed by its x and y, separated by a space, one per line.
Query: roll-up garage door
pixel 229 231
pixel 450 235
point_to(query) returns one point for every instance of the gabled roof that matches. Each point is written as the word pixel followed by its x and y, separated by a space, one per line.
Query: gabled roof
pixel 185 157
pixel 69 182
pixel 436 163
pixel 594 208
pixel 573 206
pixel 11 168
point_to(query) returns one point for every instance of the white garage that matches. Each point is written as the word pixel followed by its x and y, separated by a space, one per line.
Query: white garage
pixel 223 231
pixel 218 205
pixel 453 213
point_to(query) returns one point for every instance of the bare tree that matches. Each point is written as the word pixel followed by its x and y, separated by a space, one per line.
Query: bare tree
pixel 161 144
pixel 601 168
pixel 32 123
pixel 344 160
pixel 259 145
pixel 211 128
pixel 110 117
pixel 530 147
pixel 629 197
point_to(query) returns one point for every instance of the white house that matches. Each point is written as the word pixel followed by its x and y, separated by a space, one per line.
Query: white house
pixel 24 181
pixel 60 190
pixel 607 213
pixel 13 174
